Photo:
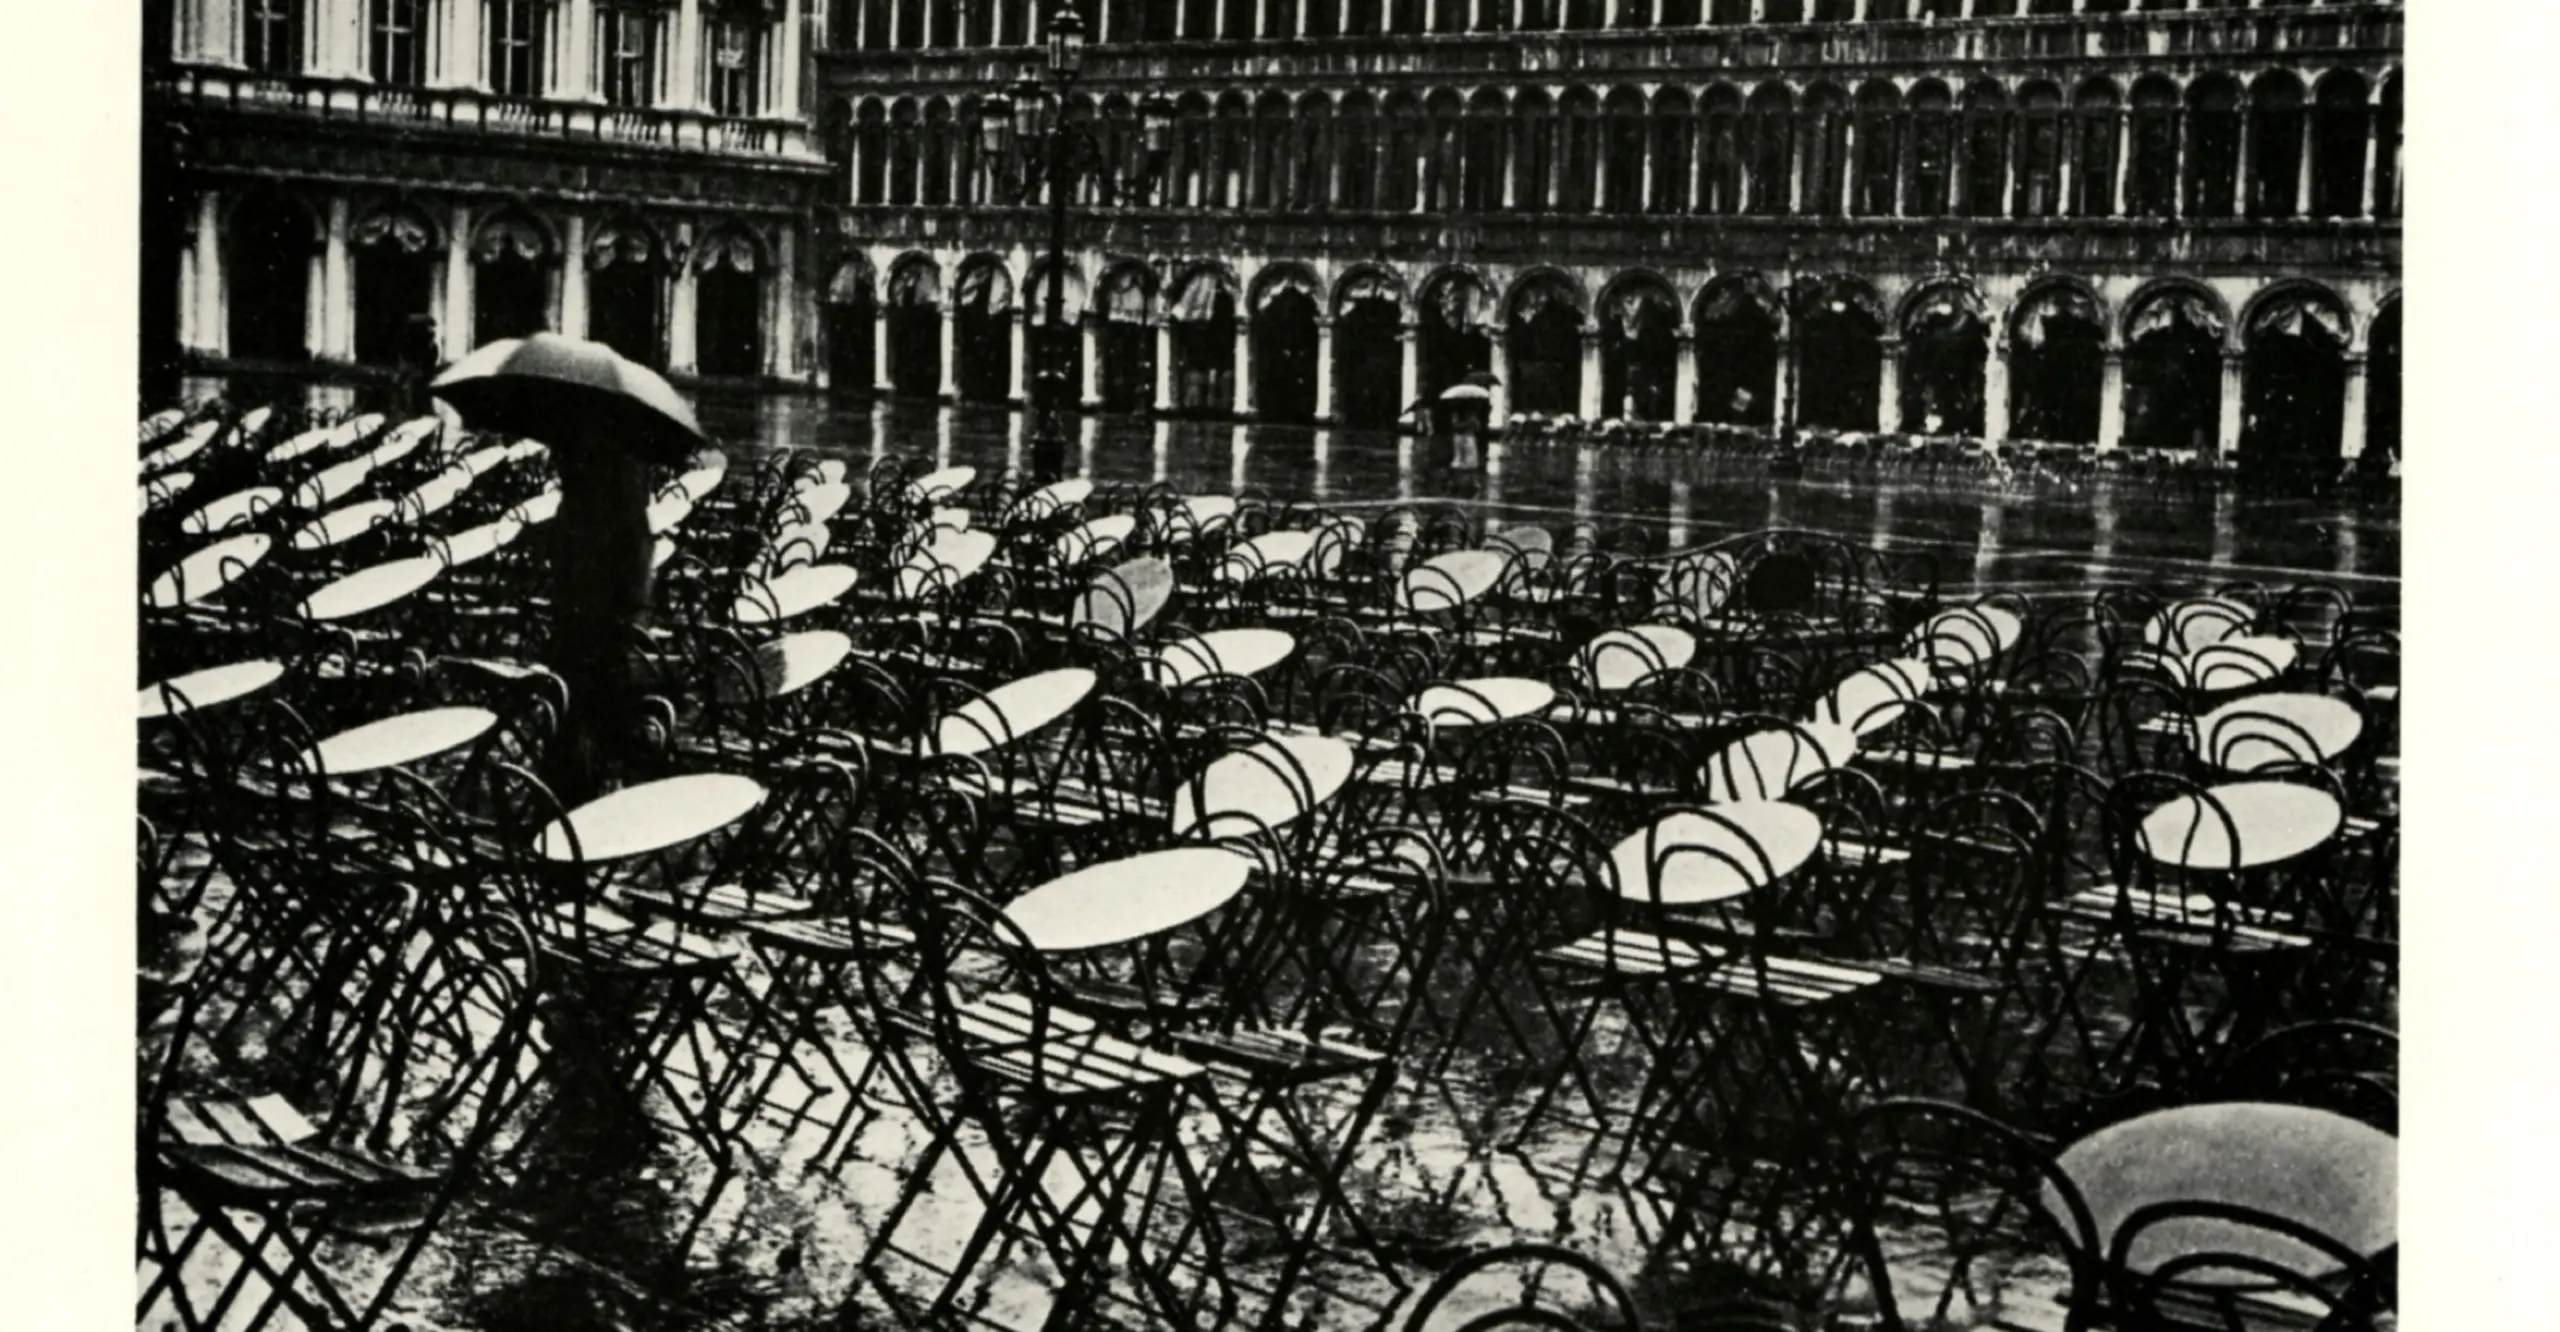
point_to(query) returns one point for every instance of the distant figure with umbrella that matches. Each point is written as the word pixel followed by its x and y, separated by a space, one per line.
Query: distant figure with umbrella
pixel 1465 410
pixel 609 423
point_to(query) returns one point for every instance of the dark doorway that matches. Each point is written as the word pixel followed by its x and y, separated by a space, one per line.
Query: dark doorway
pixel 2382 387
pixel 1284 358
pixel 915 332
pixel 267 258
pixel 1368 361
pixel 851 349
pixel 1737 354
pixel 395 287
pixel 2293 395
pixel 982 337
pixel 728 323
pixel 1944 346
pixel 625 303
pixel 1204 355
pixel 1838 365
pixel 1639 355
pixel 2057 369
pixel 1546 353
pixel 511 298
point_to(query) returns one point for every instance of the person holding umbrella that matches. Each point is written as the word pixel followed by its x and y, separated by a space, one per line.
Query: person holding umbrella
pixel 1466 410
pixel 610 424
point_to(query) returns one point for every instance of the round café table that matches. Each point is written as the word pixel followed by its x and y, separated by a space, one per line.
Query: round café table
pixel 161 489
pixel 2325 1171
pixel 650 817
pixel 709 467
pixel 394 447
pixel 1264 554
pixel 543 507
pixel 952 519
pixel 1972 635
pixel 1624 658
pixel 1692 858
pixel 1482 701
pixel 342 524
pixel 1239 652
pixel 372 588
pixel 819 503
pixel 398 741
pixel 1094 539
pixel 933 487
pixel 433 495
pixel 1449 581
pixel 661 550
pixel 802 541
pixel 826 472
pixel 1701 585
pixel 526 449
pixel 1768 764
pixel 309 441
pixel 1533 548
pixel 944 563
pixel 187 446
pixel 2264 730
pixel 668 510
pixel 1201 513
pixel 1262 787
pixel 1335 539
pixel 1049 499
pixel 2274 822
pixel 208 570
pixel 785 666
pixel 332 484
pixel 1870 699
pixel 237 509
pixel 2238 663
pixel 793 593
pixel 477 543
pixel 197 690
pixel 1123 901
pixel 1123 600
pixel 2197 622
pixel 480 462
pixel 1011 711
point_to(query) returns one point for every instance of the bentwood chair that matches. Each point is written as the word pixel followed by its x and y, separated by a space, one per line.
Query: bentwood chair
pixel 2236 1287
pixel 1524 1286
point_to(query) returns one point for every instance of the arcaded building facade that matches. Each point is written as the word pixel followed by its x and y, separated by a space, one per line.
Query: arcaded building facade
pixel 376 183
pixel 2161 224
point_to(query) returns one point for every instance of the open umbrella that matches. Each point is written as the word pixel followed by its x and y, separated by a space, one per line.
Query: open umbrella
pixel 1466 393
pixel 1481 379
pixel 562 390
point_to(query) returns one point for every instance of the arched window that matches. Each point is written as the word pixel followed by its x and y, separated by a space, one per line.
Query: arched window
pixel 2093 150
pixel 2294 382
pixel 1720 167
pixel 871 154
pixel 1578 166
pixel 1280 18
pixel 2057 365
pixel 910 25
pixel 1400 169
pixel 2151 184
pixel 1674 124
pixel 1944 346
pixel 1275 176
pixel 2040 124
pixel 937 153
pixel 2213 146
pixel 1195 139
pixel 2338 147
pixel 626 286
pixel 2276 142
pixel 878 24
pixel 906 152
pixel 1446 173
pixel 2382 384
pixel 1015 27
pixel 1235 151
pixel 1356 155
pixel 1623 161
pixel 1772 162
pixel 1932 150
pixel 1324 17
pixel 1986 150
pixel 1737 353
pixel 1678 13
pixel 978 25
pixel 848 331
pixel 1127 350
pixel 1363 18
pixel 1826 135
pixel 967 181
pixel 514 266
pixel 1311 164
pixel 2173 371
pixel 2386 151
pixel 1729 11
pixel 1879 149
pixel 1202 307
pixel 1199 20
pixel 1583 15
pixel 1534 161
pixel 1485 150
pixel 1159 19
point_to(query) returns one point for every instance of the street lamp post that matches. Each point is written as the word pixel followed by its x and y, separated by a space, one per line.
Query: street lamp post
pixel 1031 145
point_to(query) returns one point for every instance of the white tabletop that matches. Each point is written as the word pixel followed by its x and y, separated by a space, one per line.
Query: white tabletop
pixel 394 741
pixel 395 446
pixel 372 588
pixel 669 509
pixel 165 487
pixel 953 519
pixel 1202 513
pixel 1119 901
pixel 786 665
pixel 236 509
pixel 800 541
pixel 1049 499
pixel 1533 547
pixel 1701 584
pixel 1691 858
pixel 2263 730
pixel 1767 765
pixel 650 817
pixel 543 507
pixel 207 688
pixel 1489 699
pixel 309 441
pixel 1449 581
pixel 524 449
pixel 342 524
pixel 820 502
pixel 1623 658
pixel 1871 699
pixel 797 592
pixel 941 485
pixel 1126 599
pixel 2184 626
pixel 1335 540
pixel 482 461
pixel 331 484
pixel 433 495
pixel 209 570
pixel 944 563
pixel 1012 710
pixel 709 467
pixel 2275 821
pixel 2325 1171
pixel 477 543
pixel 2238 663
pixel 1240 652
pixel 1264 554
pixel 1264 786
pixel 1095 539
pixel 186 446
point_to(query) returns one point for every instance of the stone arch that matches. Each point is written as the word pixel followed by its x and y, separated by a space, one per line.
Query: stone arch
pixel 982 314
pixel 850 327
pixel 1542 285
pixel 2289 304
pixel 2296 336
pixel 271 241
pixel 515 228
pixel 1285 303
pixel 729 264
pixel 398 222
pixel 1202 313
pixel 396 253
pixel 1937 294
pixel 1285 276
pixel 914 297
pixel 1125 307
pixel 1837 321
pixel 1946 345
pixel 1366 282
pixel 1545 315
pixel 626 291
pixel 2174 332
pixel 1640 318
pixel 515 272
pixel 1076 300
pixel 1192 294
pixel 2187 296
pixel 2057 334
pixel 1736 322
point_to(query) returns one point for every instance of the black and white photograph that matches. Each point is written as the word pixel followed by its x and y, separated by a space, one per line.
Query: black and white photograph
pixel 1403 665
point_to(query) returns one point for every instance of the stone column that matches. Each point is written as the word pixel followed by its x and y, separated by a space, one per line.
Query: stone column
pixel 782 340
pixel 2372 148
pixel 573 275
pixel 1889 385
pixel 680 308
pixel 457 314
pixel 1018 327
pixel 1240 397
pixel 2228 441
pixel 1995 391
pixel 684 65
pixel 575 66
pixel 880 347
pixel 2124 159
pixel 786 56
pixel 337 37
pixel 1324 371
pixel 1592 409
pixel 2351 431
pixel 2302 172
pixel 461 39
pixel 1090 330
pixel 337 288
pixel 1684 380
pixel 1164 366
pixel 2111 402
pixel 1408 365
pixel 212 320
pixel 1499 362
pixel 1782 388
pixel 948 390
